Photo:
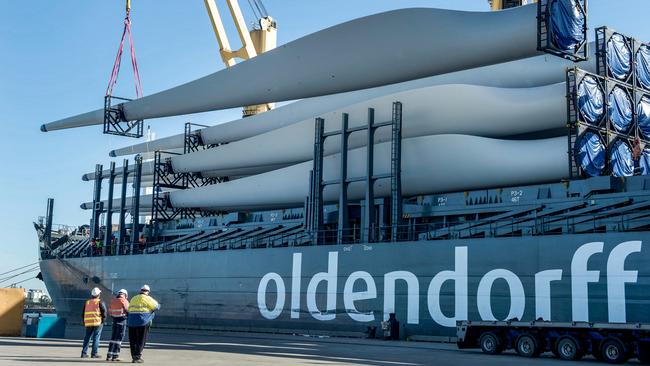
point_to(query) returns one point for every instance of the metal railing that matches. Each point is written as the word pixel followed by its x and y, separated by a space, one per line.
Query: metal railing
pixel 296 236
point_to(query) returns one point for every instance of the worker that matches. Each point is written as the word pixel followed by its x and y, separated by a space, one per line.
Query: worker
pixel 93 246
pixel 113 243
pixel 118 309
pixel 141 313
pixel 143 243
pixel 100 245
pixel 93 319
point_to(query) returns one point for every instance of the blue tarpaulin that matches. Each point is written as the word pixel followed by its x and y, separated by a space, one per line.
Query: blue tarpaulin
pixel 643 66
pixel 591 154
pixel 619 57
pixel 620 109
pixel 621 159
pixel 644 162
pixel 591 100
pixel 643 116
pixel 567 25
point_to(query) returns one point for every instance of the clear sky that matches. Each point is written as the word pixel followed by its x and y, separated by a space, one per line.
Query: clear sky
pixel 56 57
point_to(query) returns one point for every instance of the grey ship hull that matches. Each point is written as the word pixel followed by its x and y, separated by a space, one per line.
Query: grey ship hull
pixel 273 289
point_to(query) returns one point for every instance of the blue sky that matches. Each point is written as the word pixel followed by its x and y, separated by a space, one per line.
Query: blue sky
pixel 56 57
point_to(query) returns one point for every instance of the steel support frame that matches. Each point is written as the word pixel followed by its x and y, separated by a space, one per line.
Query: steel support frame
pixel 396 173
pixel 577 126
pixel 48 223
pixel 637 81
pixel 98 205
pixel 108 237
pixel 369 211
pixel 342 232
pixel 603 35
pixel 135 203
pixel 316 184
pixel 544 41
pixel 193 142
pixel 115 121
pixel 165 177
pixel 122 217
pixel 314 202
pixel 575 170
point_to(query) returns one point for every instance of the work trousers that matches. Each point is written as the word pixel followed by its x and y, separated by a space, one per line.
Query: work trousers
pixel 93 333
pixel 117 335
pixel 137 340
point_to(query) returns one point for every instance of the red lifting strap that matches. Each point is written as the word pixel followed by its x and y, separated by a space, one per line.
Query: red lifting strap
pixel 118 59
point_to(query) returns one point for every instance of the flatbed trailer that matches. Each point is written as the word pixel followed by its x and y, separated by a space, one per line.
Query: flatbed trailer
pixel 609 342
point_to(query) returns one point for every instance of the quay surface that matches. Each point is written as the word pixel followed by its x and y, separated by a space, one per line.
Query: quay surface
pixel 167 347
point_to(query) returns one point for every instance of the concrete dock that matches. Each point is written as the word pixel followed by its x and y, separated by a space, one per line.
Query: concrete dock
pixel 237 349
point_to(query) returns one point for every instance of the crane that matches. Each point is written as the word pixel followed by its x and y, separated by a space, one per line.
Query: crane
pixel 507 4
pixel 262 38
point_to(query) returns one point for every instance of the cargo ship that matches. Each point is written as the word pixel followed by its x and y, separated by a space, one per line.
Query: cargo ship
pixel 533 204
pixel 564 251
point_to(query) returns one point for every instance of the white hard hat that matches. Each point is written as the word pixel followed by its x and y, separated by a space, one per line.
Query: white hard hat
pixel 145 288
pixel 95 292
pixel 123 291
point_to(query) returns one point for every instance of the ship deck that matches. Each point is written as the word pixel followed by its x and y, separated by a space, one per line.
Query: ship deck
pixel 595 205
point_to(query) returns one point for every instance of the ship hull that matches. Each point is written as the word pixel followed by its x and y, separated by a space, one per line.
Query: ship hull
pixel 346 288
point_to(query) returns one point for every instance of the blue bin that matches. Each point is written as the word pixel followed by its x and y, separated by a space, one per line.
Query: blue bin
pixel 45 327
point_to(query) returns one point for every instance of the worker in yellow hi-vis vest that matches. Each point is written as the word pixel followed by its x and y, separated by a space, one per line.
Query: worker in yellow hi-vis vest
pixel 93 319
pixel 141 312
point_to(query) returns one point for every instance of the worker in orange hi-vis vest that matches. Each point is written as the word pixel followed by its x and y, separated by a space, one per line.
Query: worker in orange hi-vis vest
pixel 118 309
pixel 93 319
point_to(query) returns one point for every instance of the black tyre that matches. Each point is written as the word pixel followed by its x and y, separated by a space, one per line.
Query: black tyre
pixel 612 350
pixel 568 348
pixel 528 346
pixel 490 343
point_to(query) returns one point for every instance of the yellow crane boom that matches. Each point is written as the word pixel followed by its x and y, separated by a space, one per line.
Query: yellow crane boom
pixel 255 42
pixel 506 4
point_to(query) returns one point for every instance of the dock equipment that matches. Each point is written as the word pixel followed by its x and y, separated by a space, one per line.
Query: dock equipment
pixel 609 342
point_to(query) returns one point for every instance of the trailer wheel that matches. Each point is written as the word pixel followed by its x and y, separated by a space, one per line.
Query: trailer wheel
pixel 528 346
pixel 567 348
pixel 490 343
pixel 612 350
